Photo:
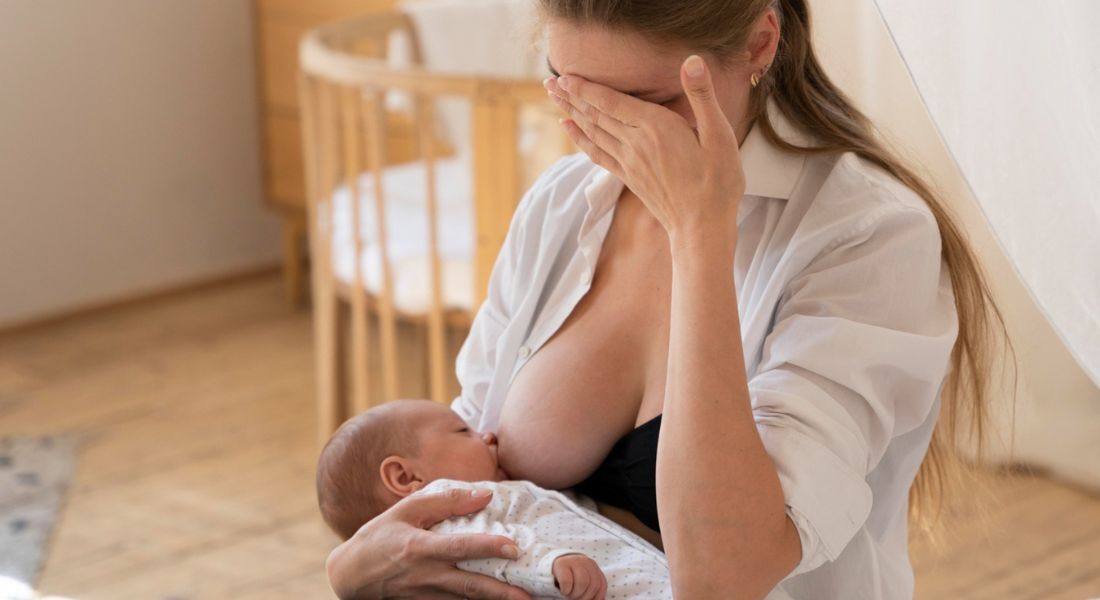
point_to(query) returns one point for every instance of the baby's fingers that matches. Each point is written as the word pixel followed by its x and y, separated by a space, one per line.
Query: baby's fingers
pixel 565 580
pixel 581 582
pixel 601 590
pixel 597 583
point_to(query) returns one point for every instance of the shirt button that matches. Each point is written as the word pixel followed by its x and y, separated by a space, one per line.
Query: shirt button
pixel 524 352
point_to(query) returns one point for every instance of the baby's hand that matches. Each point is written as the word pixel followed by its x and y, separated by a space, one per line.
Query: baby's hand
pixel 579 577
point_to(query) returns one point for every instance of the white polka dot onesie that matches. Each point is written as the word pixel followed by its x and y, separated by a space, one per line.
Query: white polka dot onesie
pixel 546 524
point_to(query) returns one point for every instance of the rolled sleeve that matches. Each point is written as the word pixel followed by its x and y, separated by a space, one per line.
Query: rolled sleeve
pixel 856 358
pixel 823 494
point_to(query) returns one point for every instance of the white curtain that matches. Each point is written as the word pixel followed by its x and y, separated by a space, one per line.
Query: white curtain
pixel 1014 89
pixel 997 103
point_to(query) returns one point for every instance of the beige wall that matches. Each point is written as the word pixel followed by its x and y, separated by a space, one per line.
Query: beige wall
pixel 129 152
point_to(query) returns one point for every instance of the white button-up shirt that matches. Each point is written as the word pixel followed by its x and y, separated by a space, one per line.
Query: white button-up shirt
pixel 847 320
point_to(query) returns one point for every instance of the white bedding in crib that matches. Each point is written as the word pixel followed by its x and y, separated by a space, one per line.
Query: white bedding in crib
pixel 505 52
pixel 405 189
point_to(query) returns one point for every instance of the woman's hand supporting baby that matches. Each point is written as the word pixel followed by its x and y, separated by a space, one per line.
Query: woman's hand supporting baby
pixel 579 577
pixel 394 556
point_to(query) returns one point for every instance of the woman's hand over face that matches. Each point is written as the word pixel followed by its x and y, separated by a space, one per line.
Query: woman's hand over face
pixel 393 556
pixel 688 180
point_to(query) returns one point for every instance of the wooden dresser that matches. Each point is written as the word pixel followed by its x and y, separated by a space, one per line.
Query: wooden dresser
pixel 279 25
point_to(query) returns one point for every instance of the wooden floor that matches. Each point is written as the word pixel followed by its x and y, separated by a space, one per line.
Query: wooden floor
pixel 195 479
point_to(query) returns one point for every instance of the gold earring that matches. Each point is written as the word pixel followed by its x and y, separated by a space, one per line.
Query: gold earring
pixel 755 79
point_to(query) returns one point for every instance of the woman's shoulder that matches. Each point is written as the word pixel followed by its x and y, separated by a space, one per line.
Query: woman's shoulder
pixel 856 187
pixel 844 196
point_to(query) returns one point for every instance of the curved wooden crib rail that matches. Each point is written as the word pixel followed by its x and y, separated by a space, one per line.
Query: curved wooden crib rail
pixel 343 81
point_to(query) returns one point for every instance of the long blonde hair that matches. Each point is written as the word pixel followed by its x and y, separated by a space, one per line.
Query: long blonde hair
pixel 808 98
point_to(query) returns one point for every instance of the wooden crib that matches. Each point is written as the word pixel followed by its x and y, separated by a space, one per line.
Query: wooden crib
pixel 344 84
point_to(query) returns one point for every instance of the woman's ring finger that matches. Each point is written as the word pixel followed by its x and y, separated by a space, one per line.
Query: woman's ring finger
pixel 597 134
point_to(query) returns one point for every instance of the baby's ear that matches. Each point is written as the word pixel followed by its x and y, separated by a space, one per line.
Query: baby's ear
pixel 399 476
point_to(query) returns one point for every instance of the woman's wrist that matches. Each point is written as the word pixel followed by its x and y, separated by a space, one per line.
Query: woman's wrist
pixel 704 246
pixel 337 568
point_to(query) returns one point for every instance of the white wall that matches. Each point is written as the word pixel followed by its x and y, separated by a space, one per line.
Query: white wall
pixel 129 150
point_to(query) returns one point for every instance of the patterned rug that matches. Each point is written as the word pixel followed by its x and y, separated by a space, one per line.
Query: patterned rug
pixel 34 476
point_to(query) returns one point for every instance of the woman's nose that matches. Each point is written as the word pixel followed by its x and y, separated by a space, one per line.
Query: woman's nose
pixel 489 438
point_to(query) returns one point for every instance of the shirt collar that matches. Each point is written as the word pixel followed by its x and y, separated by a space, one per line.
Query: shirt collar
pixel 770 172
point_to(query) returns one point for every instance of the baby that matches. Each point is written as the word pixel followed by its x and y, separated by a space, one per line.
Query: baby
pixel 407 447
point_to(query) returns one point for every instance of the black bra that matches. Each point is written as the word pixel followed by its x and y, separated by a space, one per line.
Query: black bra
pixel 627 477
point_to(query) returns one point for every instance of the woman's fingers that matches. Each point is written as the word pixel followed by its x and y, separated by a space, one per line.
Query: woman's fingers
pixel 466 546
pixel 623 112
pixel 598 155
pixel 583 107
pixel 424 511
pixel 711 122
pixel 590 124
pixel 479 587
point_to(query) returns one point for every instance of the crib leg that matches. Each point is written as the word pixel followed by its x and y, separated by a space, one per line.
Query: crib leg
pixel 329 339
pixel 294 233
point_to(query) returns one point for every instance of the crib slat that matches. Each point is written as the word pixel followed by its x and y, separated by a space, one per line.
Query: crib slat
pixel 372 103
pixel 496 178
pixel 425 111
pixel 319 111
pixel 508 160
pixel 484 192
pixel 324 298
pixel 360 343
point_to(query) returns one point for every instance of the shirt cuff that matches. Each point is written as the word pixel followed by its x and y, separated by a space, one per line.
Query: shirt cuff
pixel 826 499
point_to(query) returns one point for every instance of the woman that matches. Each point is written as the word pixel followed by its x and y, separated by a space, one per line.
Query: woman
pixel 766 433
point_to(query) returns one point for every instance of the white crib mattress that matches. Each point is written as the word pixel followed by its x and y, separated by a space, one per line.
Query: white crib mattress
pixel 405 189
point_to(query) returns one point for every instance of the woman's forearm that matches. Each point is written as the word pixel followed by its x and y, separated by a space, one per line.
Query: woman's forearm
pixel 722 511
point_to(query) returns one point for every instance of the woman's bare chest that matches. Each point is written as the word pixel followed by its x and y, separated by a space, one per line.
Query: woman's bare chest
pixel 603 371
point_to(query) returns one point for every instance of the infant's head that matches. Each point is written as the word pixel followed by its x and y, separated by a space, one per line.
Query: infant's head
pixel 388 452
